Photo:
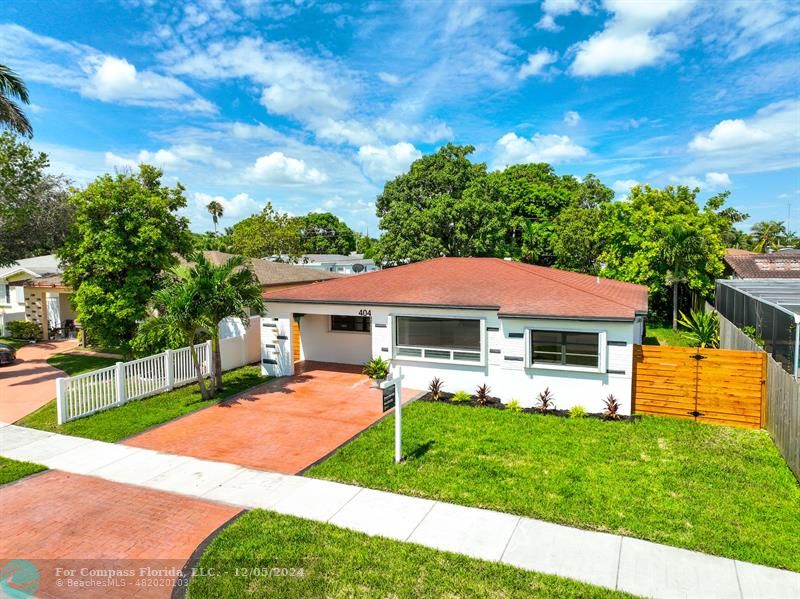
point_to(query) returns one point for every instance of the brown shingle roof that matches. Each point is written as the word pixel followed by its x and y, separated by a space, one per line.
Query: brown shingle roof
pixel 778 265
pixel 512 288
pixel 276 273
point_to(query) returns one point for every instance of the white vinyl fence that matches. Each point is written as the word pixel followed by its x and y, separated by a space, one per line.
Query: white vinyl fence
pixel 91 392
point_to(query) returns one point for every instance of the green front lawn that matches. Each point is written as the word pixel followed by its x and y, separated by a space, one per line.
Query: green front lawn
pixel 312 559
pixel 11 470
pixel 74 364
pixel 664 335
pixel 709 488
pixel 137 416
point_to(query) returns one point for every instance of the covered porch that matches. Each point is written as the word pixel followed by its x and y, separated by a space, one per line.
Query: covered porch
pixel 48 304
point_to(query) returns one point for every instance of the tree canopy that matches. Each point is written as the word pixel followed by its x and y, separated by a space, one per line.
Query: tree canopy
pixel 268 233
pixel 324 233
pixel 35 213
pixel 127 233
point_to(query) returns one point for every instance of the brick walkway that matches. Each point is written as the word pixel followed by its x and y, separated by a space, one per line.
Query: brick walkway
pixel 284 425
pixel 70 521
pixel 28 384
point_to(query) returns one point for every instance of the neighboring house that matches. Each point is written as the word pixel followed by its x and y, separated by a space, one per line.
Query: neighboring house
pixel 353 264
pixel 516 327
pixel 743 264
pixel 31 289
pixel 47 297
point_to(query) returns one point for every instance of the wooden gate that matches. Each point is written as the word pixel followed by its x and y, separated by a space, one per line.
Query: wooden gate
pixel 709 385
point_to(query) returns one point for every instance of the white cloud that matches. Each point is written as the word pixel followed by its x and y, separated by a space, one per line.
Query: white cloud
pixel 257 132
pixel 624 185
pixel 93 74
pixel 571 118
pixel 557 8
pixel 237 206
pixel 769 140
pixel 350 132
pixel 713 181
pixel 381 163
pixel 537 64
pixel 429 132
pixel 292 84
pixel 389 78
pixel 630 39
pixel 362 133
pixel 120 162
pixel 512 149
pixel 279 168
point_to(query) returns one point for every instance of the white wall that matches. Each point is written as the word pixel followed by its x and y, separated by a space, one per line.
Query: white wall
pixel 320 344
pixel 507 375
pixel 239 349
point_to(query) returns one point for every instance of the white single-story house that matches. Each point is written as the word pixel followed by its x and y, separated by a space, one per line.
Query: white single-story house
pixel 517 327
pixel 353 264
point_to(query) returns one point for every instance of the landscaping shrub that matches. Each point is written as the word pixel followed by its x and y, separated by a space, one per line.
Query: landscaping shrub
pixel 461 397
pixel 577 412
pixel 482 394
pixel 612 408
pixel 435 388
pixel 23 329
pixel 514 405
pixel 376 368
pixel 703 328
pixel 546 401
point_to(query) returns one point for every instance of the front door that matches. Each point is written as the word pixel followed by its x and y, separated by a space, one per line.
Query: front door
pixel 296 339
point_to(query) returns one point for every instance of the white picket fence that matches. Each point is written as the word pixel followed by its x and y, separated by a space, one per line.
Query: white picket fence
pixel 84 394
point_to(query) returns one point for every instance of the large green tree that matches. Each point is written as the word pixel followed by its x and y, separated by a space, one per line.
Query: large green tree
pixel 13 90
pixel 325 233
pixel 422 213
pixel 35 213
pixel 662 238
pixel 127 233
pixel 265 234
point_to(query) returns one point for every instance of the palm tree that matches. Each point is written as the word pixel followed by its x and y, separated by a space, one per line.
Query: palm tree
pixel 767 235
pixel 216 210
pixel 178 314
pixel 681 246
pixel 226 290
pixel 11 115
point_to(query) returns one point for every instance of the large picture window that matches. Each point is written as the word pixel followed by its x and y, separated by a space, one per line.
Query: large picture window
pixel 450 339
pixel 351 324
pixel 565 348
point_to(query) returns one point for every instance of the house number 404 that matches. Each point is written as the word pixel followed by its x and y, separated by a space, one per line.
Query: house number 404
pixel 365 312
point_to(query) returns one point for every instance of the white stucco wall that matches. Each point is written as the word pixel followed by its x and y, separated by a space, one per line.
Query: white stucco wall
pixel 320 344
pixel 505 362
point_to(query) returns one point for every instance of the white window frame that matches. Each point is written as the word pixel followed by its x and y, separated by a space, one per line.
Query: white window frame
pixel 336 331
pixel 392 322
pixel 602 350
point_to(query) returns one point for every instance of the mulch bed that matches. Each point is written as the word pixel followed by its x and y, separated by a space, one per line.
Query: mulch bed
pixel 495 402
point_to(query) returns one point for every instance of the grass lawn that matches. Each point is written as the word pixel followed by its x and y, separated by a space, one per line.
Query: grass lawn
pixel 137 416
pixel 710 488
pixel 74 364
pixel 11 470
pixel 664 335
pixel 16 343
pixel 333 562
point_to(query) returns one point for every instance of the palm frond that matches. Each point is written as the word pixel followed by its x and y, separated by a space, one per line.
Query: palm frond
pixel 12 117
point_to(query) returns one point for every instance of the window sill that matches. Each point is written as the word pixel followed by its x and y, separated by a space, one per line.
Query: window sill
pixel 566 368
pixel 482 363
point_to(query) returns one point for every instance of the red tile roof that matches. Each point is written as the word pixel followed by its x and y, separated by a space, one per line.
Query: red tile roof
pixel 512 288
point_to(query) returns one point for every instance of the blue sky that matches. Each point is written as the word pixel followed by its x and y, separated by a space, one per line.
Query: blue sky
pixel 314 105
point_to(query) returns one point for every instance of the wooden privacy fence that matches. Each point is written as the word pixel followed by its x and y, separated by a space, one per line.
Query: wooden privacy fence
pixel 707 385
pixel 782 398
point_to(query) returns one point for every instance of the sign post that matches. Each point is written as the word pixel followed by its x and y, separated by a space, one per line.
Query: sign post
pixel 393 398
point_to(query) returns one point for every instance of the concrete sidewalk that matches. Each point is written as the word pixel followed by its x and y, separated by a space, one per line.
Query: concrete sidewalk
pixel 612 561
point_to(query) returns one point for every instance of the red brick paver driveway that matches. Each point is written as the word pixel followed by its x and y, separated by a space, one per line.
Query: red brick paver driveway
pixel 27 384
pixel 92 527
pixel 284 425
